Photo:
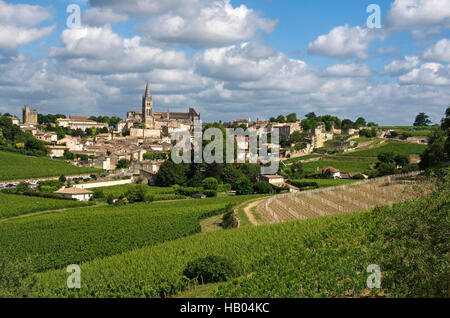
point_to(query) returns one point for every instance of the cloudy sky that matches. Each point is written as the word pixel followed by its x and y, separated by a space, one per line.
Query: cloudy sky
pixel 228 58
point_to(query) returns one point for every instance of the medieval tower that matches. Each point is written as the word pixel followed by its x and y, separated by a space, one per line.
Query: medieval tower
pixel 30 117
pixel 147 109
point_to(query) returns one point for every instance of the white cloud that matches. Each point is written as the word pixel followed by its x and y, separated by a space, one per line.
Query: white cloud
pixel 440 52
pixel 343 42
pixel 403 65
pixel 101 16
pixel 100 50
pixel 413 13
pixel 349 70
pixel 433 74
pixel 23 14
pixel 18 25
pixel 214 23
pixel 11 36
pixel 145 8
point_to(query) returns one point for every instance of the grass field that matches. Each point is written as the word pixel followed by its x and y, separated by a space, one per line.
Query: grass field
pixel 79 235
pixel 16 166
pixel 14 205
pixel 343 166
pixel 397 147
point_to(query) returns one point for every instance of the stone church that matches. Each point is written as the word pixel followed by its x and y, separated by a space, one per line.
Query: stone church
pixel 159 120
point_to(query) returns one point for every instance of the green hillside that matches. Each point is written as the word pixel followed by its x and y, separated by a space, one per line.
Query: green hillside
pixel 13 205
pixel 322 257
pixel 397 147
pixel 16 166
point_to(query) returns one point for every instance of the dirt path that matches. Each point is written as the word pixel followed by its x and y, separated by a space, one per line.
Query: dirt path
pixel 34 214
pixel 248 211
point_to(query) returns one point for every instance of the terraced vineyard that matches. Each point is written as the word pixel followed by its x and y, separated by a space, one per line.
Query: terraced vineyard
pixel 359 196
pixel 397 147
pixel 14 205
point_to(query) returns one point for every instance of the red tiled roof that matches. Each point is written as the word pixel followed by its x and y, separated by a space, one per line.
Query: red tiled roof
pixel 73 191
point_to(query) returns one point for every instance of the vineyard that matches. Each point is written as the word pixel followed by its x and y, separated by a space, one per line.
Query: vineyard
pixel 397 147
pixel 359 196
pixel 14 205
pixel 79 235
pixel 319 257
pixel 15 166
pixel 158 193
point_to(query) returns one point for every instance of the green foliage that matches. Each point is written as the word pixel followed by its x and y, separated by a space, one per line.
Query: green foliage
pixel 21 167
pixel 224 187
pixel 187 191
pixel 210 193
pixel 369 133
pixel 53 240
pixel 170 174
pixel 243 186
pixel 210 184
pixel 436 152
pixel 231 174
pixel 415 246
pixel 123 164
pixel 397 147
pixel 210 269
pixel 262 187
pixel 138 193
pixel 321 183
pixel 422 120
pixel 14 205
pixel 155 156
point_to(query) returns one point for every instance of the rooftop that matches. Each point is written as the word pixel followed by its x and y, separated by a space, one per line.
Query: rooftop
pixel 73 191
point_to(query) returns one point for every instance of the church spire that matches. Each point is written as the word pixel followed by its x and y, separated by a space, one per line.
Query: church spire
pixel 147 90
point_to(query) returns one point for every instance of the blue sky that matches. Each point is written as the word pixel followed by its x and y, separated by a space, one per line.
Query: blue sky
pixel 228 58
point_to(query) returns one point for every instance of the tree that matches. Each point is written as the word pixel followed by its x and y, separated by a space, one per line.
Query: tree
pixel 138 193
pixel 281 119
pixel 385 169
pixel 62 178
pixel 170 174
pixel 347 124
pixel 243 186
pixel 387 157
pixel 311 115
pixel 296 171
pixel 231 174
pixel 401 160
pixel 360 122
pixel 210 184
pixel 262 187
pixel 291 118
pixel 422 120
pixel 123 164
pixel 435 153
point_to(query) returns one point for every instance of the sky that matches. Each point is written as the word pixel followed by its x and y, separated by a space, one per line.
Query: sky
pixel 228 59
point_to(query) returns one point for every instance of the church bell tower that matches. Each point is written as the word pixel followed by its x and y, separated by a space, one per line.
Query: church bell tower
pixel 147 109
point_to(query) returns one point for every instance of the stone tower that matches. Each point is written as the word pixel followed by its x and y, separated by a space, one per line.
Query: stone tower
pixel 30 117
pixel 147 109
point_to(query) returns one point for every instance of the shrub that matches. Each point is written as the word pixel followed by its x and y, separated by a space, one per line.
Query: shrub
pixel 210 193
pixel 224 187
pixel 186 191
pixel 243 186
pixel 138 194
pixel 303 184
pixel 98 194
pixel 210 184
pixel 359 176
pixel 210 269
pixel 262 187
pixel 110 199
